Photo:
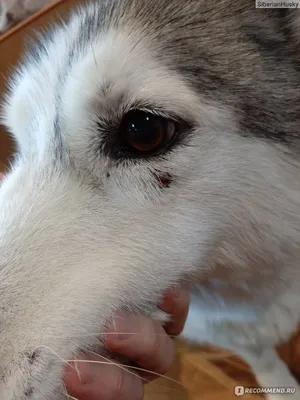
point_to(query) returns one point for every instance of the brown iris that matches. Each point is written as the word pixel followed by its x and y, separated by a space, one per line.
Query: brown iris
pixel 145 132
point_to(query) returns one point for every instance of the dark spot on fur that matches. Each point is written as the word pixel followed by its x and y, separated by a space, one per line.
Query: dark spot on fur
pixel 9 17
pixel 29 392
pixel 164 179
pixel 32 357
pixel 108 175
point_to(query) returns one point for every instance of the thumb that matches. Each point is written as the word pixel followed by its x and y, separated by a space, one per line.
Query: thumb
pixel 98 379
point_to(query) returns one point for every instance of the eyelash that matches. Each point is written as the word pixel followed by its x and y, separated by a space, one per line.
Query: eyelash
pixel 156 112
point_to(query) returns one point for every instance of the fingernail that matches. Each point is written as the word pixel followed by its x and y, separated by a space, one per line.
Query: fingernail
pixel 123 326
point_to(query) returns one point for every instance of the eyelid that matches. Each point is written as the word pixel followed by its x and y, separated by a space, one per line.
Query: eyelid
pixel 157 111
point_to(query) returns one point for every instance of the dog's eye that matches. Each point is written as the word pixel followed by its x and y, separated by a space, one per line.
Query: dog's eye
pixel 145 132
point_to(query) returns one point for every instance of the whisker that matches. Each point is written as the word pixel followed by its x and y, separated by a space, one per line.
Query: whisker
pixel 122 366
pixel 109 362
pixel 132 367
pixel 53 352
pixel 69 362
pixel 106 333
pixel 135 368
pixel 144 379
pixel 77 370
pixel 68 396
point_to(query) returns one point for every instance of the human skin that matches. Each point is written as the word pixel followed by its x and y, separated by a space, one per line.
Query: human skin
pixel 147 344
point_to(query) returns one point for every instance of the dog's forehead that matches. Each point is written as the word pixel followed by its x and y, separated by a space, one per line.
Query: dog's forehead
pixel 120 72
pixel 75 79
pixel 101 78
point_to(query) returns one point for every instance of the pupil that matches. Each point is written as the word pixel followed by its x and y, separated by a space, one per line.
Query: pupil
pixel 144 131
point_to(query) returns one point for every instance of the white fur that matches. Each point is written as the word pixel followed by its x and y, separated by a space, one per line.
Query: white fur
pixel 76 244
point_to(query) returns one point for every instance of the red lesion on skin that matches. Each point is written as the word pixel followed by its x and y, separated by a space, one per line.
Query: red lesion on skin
pixel 164 179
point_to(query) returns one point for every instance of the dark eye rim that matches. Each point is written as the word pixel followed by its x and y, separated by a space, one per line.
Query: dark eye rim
pixel 114 147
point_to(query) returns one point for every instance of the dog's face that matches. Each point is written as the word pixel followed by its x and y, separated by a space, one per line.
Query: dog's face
pixel 158 141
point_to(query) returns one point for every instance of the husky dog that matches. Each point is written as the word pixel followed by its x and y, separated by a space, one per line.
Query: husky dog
pixel 158 142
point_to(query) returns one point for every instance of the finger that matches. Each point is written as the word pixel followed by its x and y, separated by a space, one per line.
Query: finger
pixel 92 381
pixel 147 343
pixel 1 176
pixel 176 303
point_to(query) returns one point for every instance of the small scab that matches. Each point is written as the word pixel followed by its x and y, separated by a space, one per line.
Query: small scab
pixel 29 392
pixel 164 179
pixel 32 357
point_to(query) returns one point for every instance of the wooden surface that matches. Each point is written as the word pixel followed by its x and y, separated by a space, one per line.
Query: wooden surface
pixel 211 373
pixel 202 373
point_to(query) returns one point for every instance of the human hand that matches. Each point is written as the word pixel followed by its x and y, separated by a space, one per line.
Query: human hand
pixel 147 343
